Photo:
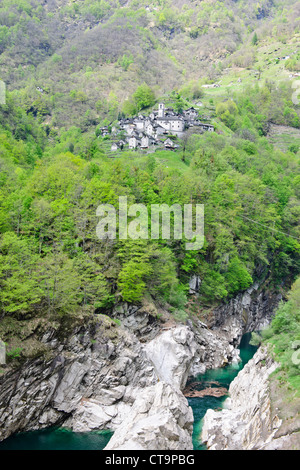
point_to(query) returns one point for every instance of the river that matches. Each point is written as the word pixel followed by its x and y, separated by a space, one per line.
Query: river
pixel 62 439
pixel 216 378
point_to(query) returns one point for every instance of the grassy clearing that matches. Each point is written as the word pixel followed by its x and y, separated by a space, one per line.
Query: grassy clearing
pixel 283 137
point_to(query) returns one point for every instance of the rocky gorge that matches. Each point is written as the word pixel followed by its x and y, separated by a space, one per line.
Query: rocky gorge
pixel 125 375
pixel 249 420
pixel 99 376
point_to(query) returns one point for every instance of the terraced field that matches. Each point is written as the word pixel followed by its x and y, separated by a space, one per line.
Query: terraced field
pixel 283 137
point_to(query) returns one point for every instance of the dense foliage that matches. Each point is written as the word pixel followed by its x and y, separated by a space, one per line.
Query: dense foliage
pixel 51 186
pixel 284 336
pixel 73 67
pixel 109 48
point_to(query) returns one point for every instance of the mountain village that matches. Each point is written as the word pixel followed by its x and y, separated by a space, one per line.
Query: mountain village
pixel 157 129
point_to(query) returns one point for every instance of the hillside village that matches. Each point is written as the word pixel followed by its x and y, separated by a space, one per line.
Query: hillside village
pixel 145 132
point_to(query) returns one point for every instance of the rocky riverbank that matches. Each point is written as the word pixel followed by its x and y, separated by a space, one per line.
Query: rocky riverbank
pixel 94 378
pixel 160 419
pixel 124 373
pixel 249 420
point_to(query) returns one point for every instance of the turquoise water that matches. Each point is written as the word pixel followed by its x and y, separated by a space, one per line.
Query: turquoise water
pixel 224 377
pixel 57 439
pixel 62 439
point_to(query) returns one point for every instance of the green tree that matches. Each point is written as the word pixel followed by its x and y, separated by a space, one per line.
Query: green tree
pixel 144 97
pixel 93 285
pixel 20 289
pixel 129 107
pixel 132 280
pixel 254 39
pixel 237 276
pixel 61 283
pixel 227 112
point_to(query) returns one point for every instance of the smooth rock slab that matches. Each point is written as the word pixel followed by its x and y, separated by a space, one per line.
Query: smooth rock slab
pixel 160 419
pixel 246 423
pixel 172 353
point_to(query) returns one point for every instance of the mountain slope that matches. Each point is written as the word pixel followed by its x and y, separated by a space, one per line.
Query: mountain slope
pixel 89 57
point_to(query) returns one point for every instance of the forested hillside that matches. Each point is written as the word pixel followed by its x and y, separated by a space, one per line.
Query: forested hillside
pixel 77 62
pixel 52 259
pixel 72 66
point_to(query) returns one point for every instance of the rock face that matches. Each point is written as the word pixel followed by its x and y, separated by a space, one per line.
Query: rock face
pixel 91 379
pixel 172 353
pixel 253 308
pixel 159 419
pixel 97 361
pixel 168 358
pixel 194 284
pixel 215 347
pixel 246 422
pixel 140 320
pixel 124 378
pixel 98 378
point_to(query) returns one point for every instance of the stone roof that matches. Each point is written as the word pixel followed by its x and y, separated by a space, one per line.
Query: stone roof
pixel 170 118
pixel 204 124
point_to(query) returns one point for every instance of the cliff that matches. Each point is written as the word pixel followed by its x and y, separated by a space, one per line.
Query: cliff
pixel 127 375
pixel 253 416
pixel 100 375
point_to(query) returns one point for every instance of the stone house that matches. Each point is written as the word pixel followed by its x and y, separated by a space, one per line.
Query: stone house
pixel 159 130
pixel 114 147
pixel 171 123
pixel 149 129
pixel 104 131
pixel 169 144
pixel 206 127
pixel 117 145
pixel 133 142
pixel 145 141
pixel 191 113
pixel 139 124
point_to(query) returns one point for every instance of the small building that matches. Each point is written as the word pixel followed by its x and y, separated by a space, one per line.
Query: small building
pixel 114 147
pixel 169 144
pixel 139 124
pixel 129 126
pixel 206 127
pixel 145 142
pixel 191 113
pixel 104 131
pixel 158 130
pixel 133 142
pixel 172 123
pixel 149 129
pixel 153 141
